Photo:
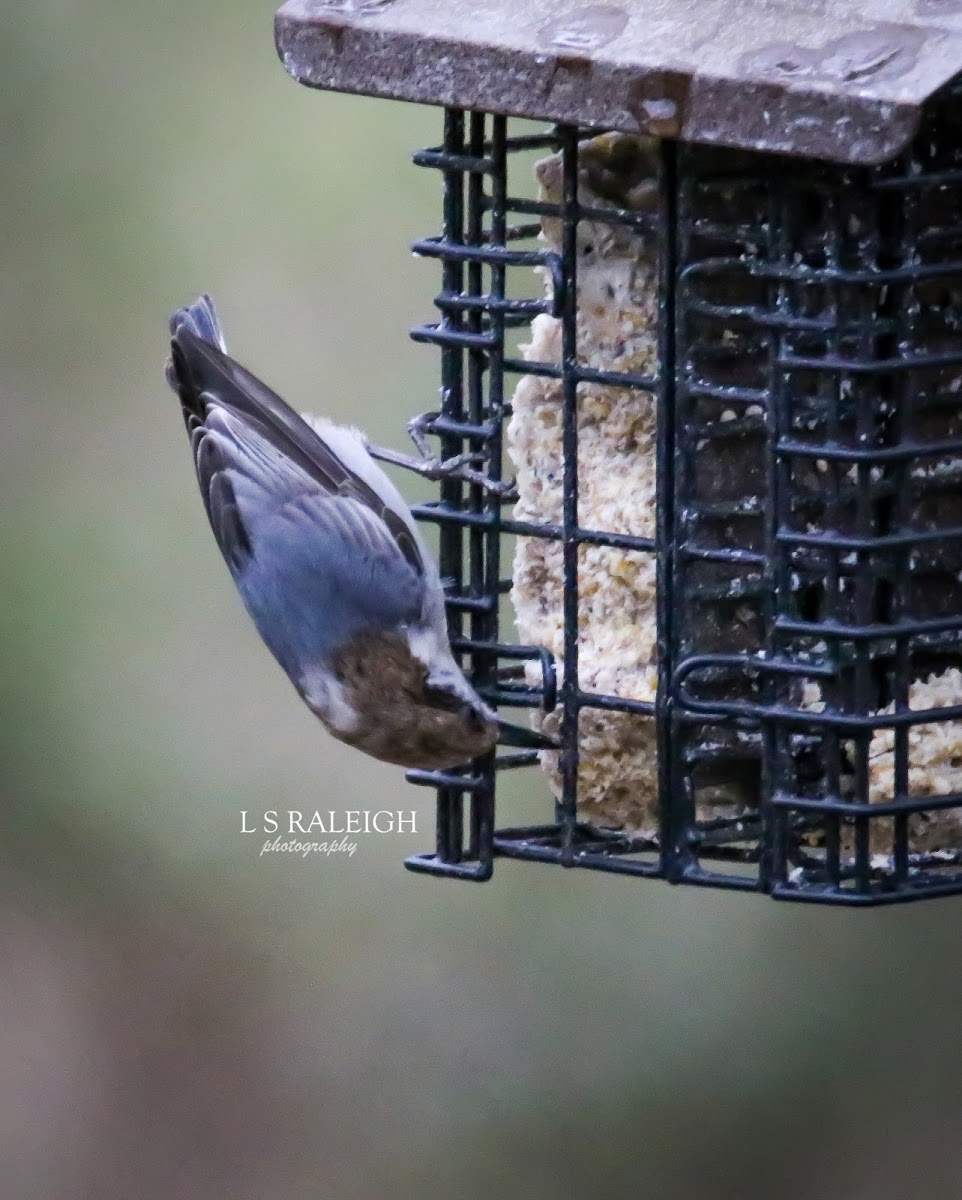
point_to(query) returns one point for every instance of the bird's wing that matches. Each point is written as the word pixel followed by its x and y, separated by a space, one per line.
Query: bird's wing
pixel 212 379
pixel 316 553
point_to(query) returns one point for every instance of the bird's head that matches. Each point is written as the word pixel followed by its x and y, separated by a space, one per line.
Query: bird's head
pixel 414 714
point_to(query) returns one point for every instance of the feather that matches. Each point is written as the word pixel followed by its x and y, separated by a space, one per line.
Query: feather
pixel 321 549
pixel 206 376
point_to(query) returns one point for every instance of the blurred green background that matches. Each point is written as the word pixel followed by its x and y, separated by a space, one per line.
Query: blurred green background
pixel 182 1018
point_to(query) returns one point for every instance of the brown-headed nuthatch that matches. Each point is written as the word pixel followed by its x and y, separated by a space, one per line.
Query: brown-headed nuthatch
pixel 329 563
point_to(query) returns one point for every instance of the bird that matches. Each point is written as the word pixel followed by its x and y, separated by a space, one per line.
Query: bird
pixel 329 563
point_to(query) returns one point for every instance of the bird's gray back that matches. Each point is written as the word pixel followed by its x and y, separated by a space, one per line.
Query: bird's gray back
pixel 311 586
pixel 317 554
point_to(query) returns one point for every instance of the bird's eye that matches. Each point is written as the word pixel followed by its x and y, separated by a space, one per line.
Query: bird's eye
pixel 442 698
pixel 475 720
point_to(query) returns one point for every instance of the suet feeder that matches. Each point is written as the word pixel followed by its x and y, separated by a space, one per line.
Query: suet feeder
pixel 709 316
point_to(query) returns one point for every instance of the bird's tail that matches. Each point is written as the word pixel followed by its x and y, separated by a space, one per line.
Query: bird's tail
pixel 201 320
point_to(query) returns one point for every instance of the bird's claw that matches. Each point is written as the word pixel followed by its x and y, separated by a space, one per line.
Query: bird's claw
pixel 431 466
pixel 460 467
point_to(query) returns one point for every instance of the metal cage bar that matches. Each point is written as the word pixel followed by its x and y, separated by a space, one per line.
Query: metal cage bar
pixel 808 533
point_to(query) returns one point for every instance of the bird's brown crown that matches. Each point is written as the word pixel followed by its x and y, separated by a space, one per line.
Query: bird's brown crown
pixel 401 718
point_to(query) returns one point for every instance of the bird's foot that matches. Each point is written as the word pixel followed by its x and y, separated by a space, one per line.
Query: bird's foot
pixel 431 466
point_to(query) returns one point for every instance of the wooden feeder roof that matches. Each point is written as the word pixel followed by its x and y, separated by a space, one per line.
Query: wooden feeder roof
pixel 842 80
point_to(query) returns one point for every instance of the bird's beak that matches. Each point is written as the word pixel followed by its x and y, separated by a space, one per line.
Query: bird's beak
pixel 526 739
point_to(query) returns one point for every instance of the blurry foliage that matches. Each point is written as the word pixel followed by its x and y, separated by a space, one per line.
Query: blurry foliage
pixel 181 1017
